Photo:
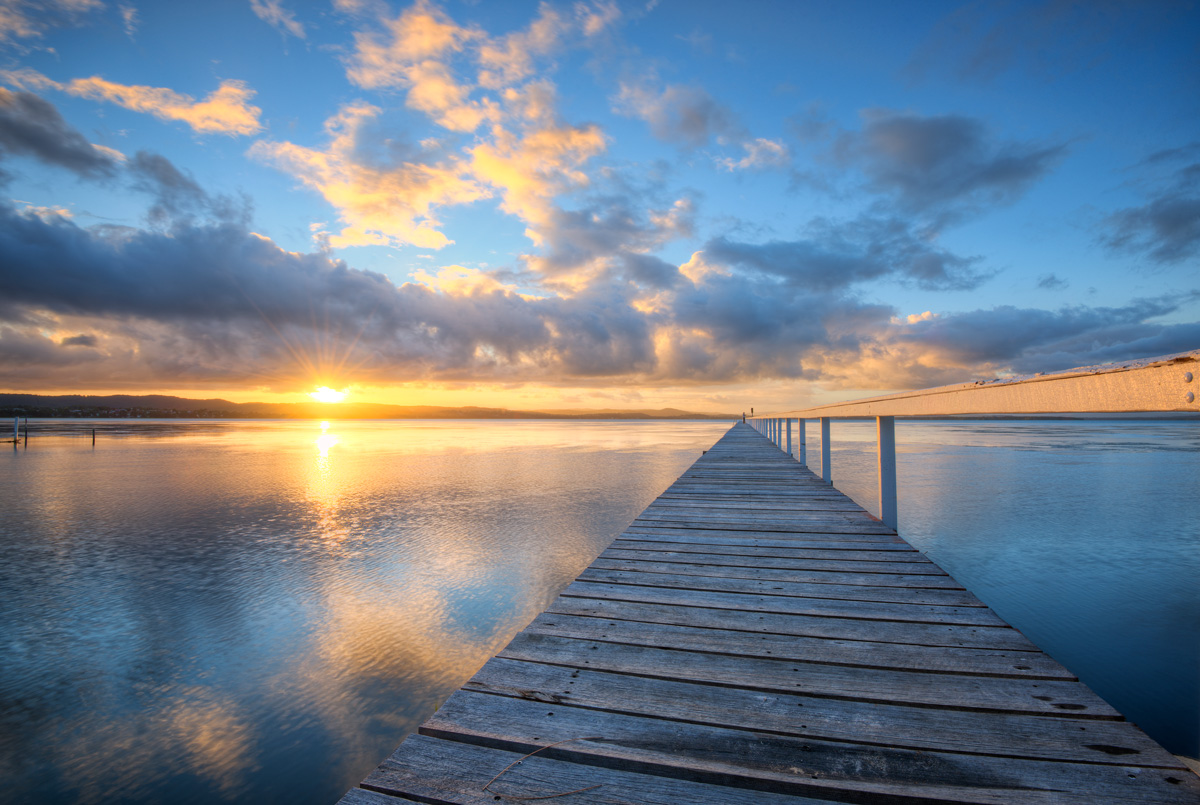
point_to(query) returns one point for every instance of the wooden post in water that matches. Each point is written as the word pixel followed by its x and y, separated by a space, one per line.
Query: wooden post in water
pixel 826 466
pixel 885 428
pixel 93 437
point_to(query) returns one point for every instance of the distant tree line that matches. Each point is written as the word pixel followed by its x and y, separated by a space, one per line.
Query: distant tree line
pixel 105 412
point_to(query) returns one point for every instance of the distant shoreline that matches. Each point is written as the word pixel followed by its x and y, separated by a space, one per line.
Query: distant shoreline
pixel 121 406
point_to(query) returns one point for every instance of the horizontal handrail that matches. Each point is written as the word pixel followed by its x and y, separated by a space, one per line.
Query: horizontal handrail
pixel 1153 385
pixel 1164 384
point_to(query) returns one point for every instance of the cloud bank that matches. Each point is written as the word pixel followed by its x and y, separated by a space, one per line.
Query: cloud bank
pixel 600 296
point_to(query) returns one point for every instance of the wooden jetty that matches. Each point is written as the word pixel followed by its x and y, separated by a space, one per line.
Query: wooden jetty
pixel 757 637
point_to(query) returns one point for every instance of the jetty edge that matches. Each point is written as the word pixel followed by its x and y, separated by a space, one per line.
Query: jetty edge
pixel 755 636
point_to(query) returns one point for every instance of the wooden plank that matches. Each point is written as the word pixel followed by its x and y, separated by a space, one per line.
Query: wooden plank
pixel 440 771
pixel 905 581
pixel 998 731
pixel 789 763
pixel 973 661
pixel 779 604
pixel 361 796
pixel 790 528
pixel 661 574
pixel 915 634
pixel 775 539
pixel 766 558
pixel 881 686
pixel 728 536
pixel 857 552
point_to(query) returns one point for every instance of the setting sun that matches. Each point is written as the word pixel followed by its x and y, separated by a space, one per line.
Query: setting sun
pixel 325 394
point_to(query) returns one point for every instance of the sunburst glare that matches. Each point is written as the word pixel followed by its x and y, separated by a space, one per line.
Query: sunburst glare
pixel 324 394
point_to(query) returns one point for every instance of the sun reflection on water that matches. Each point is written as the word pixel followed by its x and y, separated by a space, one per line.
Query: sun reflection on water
pixel 324 442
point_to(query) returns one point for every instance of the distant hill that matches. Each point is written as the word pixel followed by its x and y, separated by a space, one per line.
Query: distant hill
pixel 166 407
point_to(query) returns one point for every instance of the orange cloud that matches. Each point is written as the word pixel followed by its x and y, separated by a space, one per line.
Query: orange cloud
pixel 379 205
pixel 530 170
pixel 434 91
pixel 510 59
pixel 408 55
pixel 462 281
pixel 226 110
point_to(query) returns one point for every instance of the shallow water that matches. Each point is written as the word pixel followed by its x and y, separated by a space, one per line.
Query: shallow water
pixel 211 611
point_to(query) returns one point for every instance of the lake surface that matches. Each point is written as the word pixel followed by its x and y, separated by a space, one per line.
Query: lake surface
pixel 206 611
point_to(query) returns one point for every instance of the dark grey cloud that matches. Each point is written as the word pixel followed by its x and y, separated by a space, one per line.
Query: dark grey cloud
pixel 840 255
pixel 947 165
pixel 615 228
pixel 1167 227
pixel 31 126
pixel 650 271
pixel 176 194
pixel 178 198
pixel 684 115
pixel 1052 282
pixel 1033 340
pixel 212 301
pixel 81 340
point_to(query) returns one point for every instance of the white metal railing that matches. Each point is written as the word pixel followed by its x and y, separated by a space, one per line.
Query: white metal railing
pixel 1153 385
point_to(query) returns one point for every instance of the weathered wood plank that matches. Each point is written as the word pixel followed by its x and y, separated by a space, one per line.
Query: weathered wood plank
pixel 942 691
pixel 1001 731
pixel 913 583
pixel 661 574
pixel 917 634
pixel 991 662
pixel 441 771
pixel 768 557
pixel 826 526
pixel 861 553
pixel 731 536
pixel 781 604
pixel 791 764
pixel 361 796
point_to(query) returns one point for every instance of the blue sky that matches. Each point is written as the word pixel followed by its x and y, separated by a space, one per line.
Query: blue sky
pixel 592 204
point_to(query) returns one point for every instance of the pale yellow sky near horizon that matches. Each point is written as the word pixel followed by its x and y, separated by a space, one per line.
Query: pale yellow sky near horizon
pixel 763 397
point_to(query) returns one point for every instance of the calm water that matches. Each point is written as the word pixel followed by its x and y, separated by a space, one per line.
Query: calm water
pixel 226 611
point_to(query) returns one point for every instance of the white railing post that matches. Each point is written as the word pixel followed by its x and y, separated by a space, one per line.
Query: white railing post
pixel 788 427
pixel 802 437
pixel 885 427
pixel 826 465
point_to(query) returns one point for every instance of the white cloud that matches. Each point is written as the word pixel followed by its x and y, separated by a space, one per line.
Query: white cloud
pixel 274 14
pixel 760 154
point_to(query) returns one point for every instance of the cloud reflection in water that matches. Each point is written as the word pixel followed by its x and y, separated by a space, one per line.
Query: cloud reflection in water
pixel 262 610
